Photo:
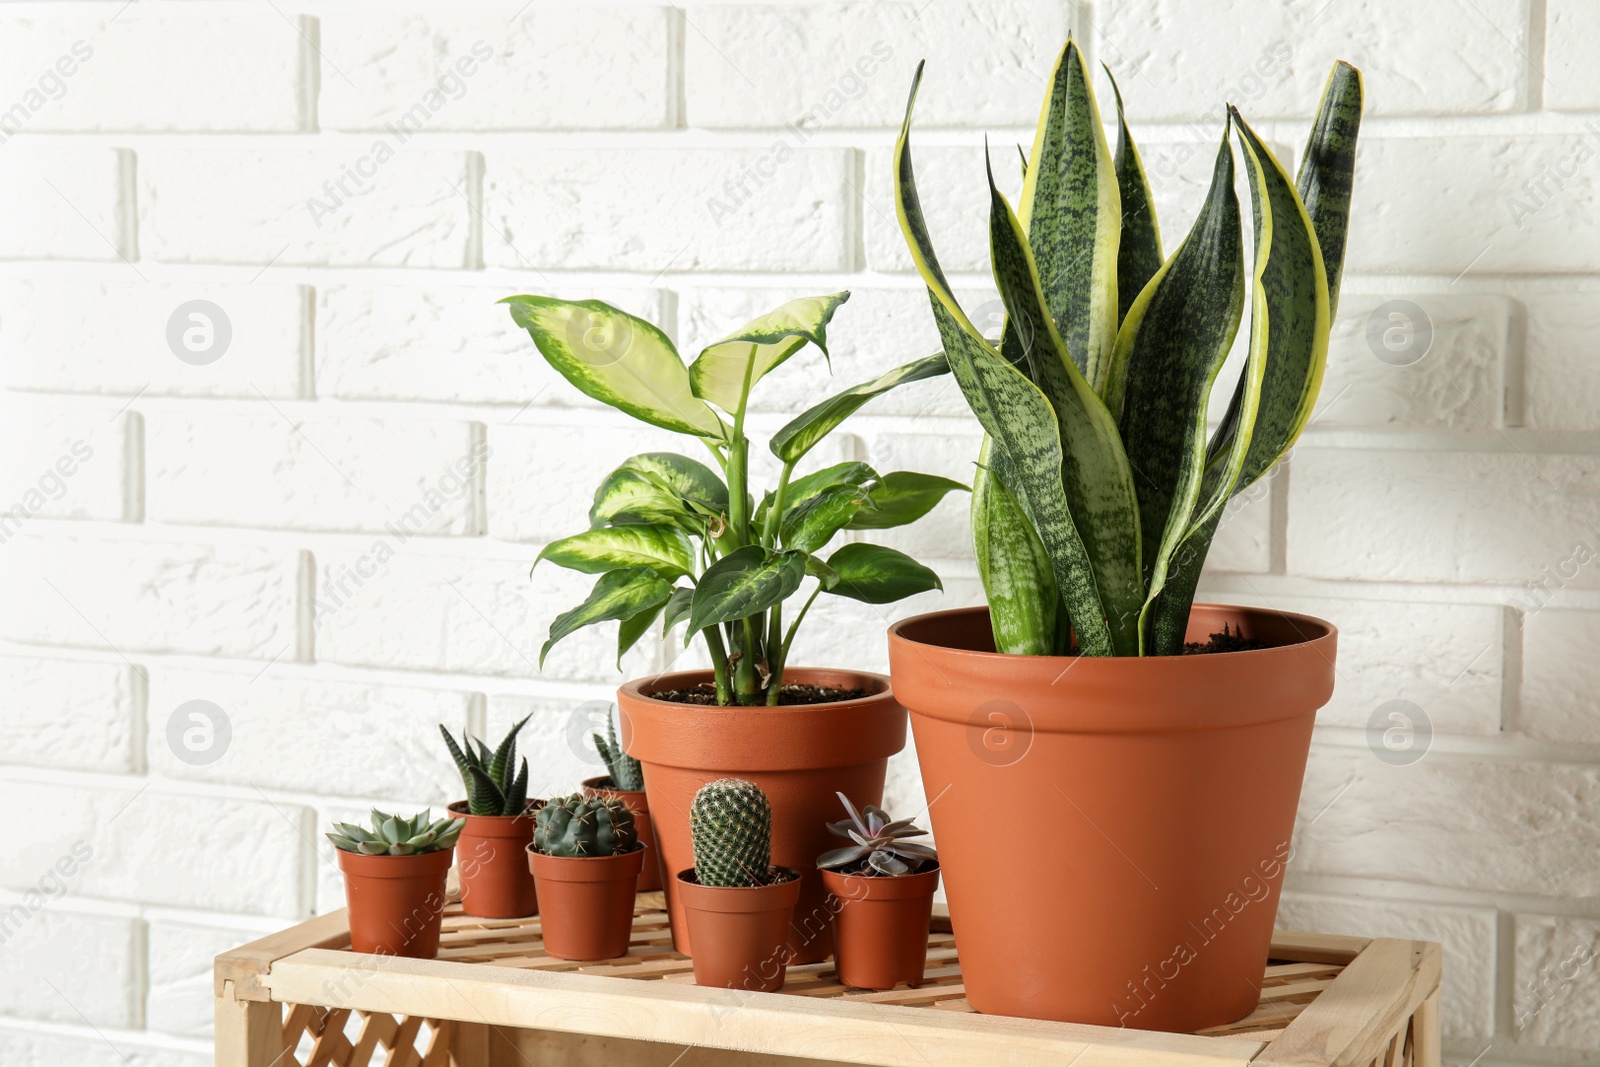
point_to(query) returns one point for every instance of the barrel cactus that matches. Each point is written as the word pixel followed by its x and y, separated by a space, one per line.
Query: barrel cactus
pixel 580 826
pixel 730 823
pixel 393 836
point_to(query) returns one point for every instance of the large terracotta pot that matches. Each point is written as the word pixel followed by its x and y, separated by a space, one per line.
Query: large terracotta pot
pixel 588 902
pixel 396 903
pixel 639 804
pixel 495 880
pixel 798 755
pixel 742 931
pixel 882 928
pixel 1113 831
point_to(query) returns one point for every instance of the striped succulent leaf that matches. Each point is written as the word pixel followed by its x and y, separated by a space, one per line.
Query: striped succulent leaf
pixel 1139 254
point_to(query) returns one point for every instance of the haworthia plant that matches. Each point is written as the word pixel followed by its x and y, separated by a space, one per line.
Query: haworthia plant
pixel 1098 489
pixel 674 540
pixel 495 785
pixel 625 771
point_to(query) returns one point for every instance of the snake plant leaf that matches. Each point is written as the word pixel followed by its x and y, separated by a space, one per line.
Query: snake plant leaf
pixel 726 371
pixel 876 574
pixel 1328 169
pixel 689 479
pixel 810 525
pixel 803 432
pixel 744 583
pixel 664 549
pixel 1096 474
pixel 630 497
pixel 1173 343
pixel 1139 252
pixel 1014 567
pixel 676 609
pixel 617 359
pixel 1023 424
pixel 902 497
pixel 1073 213
pixel 632 629
pixel 619 594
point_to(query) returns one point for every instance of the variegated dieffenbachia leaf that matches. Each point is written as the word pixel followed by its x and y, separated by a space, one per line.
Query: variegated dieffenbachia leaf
pixel 619 594
pixel 802 433
pixel 664 549
pixel 726 370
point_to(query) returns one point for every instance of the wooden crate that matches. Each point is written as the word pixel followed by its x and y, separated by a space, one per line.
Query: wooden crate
pixel 301 998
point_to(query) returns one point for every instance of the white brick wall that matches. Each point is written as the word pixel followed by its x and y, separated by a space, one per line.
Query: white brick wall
pixel 326 530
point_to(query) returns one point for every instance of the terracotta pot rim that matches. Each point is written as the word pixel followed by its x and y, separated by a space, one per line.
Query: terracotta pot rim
pixel 919 883
pixel 774 896
pixel 618 867
pixel 529 812
pixel 416 865
pixel 591 785
pixel 793 675
pixel 533 850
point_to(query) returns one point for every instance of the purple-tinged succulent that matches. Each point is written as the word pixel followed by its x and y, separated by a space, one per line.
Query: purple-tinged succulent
pixel 878 844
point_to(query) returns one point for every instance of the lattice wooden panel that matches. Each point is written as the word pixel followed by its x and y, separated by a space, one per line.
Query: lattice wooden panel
pixel 322 1037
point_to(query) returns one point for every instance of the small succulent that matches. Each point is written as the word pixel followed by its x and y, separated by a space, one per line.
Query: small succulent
pixel 878 840
pixel 393 836
pixel 491 789
pixel 625 770
pixel 581 826
pixel 730 823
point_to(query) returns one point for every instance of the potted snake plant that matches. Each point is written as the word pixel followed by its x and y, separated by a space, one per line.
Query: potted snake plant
pixel 1168 782
pixel 678 542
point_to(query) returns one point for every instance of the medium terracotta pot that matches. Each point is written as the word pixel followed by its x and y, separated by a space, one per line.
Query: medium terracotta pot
pixel 881 933
pixel 495 880
pixel 639 804
pixel 588 903
pixel 395 902
pixel 1160 796
pixel 741 934
pixel 800 756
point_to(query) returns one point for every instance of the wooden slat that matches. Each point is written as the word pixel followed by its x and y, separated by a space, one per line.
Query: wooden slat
pixel 1302 947
pixel 249 1033
pixel 1425 1026
pixel 244 965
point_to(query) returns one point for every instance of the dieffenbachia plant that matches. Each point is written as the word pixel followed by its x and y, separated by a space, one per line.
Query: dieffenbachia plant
pixel 1098 491
pixel 672 539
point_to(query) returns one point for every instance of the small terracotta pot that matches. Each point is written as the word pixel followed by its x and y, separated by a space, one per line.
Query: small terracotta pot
pixel 495 880
pixel 740 934
pixel 1167 786
pixel 639 804
pixel 395 902
pixel 588 902
pixel 881 933
pixel 799 756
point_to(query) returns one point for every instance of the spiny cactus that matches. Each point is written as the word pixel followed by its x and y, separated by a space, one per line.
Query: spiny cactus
pixel 877 839
pixel 625 770
pixel 491 790
pixel 393 836
pixel 585 826
pixel 730 823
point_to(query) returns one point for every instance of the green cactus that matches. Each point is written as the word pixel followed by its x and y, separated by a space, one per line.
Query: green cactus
pixel 491 789
pixel 585 826
pixel 730 822
pixel 393 836
pixel 625 770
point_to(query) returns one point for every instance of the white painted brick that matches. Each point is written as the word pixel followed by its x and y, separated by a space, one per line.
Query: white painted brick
pixel 563 68
pixel 191 73
pixel 209 599
pixel 1243 542
pixel 47 343
pixel 366 475
pixel 345 738
pixel 1562 375
pixel 25 1048
pixel 69 713
pixel 876 330
pixel 1522 202
pixel 851 64
pixel 179 998
pixel 839 632
pixel 1496 826
pixel 447 343
pixel 1467 934
pixel 44 972
pixel 1179 61
pixel 944 533
pixel 1445 658
pixel 1556 992
pixel 62 462
pixel 1458 381
pixel 1571 80
pixel 394 206
pixel 155 848
pixel 655 209
pixel 65 203
pixel 1442 516
pixel 1560 675
pixel 481 616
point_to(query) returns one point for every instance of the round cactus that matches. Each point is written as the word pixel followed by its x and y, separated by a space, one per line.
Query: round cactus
pixel 730 822
pixel 579 826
